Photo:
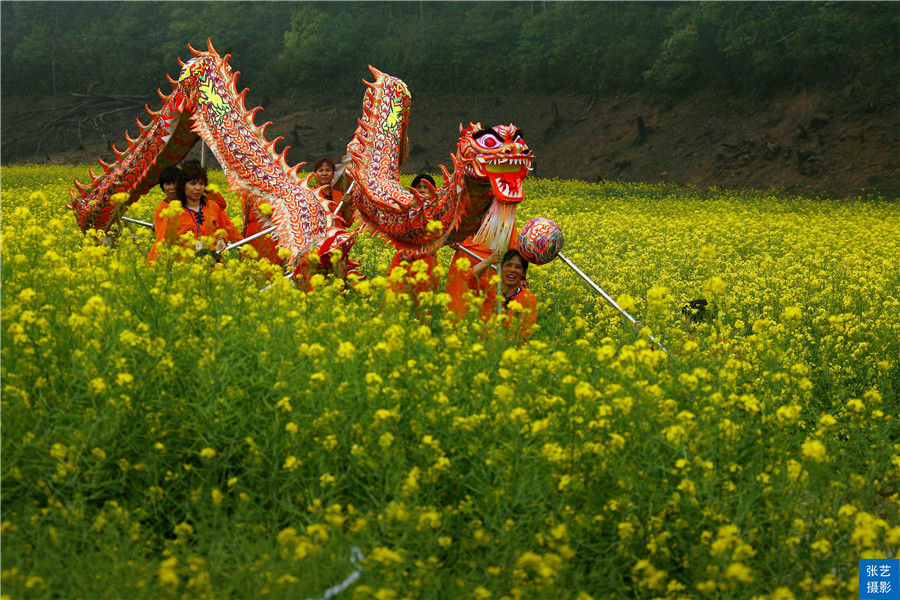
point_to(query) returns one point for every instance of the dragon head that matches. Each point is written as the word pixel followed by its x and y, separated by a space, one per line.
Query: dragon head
pixel 498 154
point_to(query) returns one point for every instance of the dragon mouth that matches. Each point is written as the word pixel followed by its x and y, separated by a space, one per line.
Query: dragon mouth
pixel 506 177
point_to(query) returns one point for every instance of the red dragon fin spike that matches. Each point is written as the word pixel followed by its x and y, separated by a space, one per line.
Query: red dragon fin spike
pixel 174 82
pixel 241 98
pixel 251 115
pixel 210 46
pixel 271 146
pixel 194 52
pixel 375 71
pixel 106 166
pixel 180 62
pixel 81 189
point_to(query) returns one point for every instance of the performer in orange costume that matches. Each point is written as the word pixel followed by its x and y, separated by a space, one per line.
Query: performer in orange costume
pixel 457 279
pixel 167 180
pixel 412 282
pixel 265 246
pixel 199 216
pixel 513 269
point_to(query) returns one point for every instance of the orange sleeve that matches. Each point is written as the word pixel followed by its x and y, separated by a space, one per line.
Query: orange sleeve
pixel 158 224
pixel 528 317
pixel 224 222
pixel 217 198
pixel 166 230
pixel 531 311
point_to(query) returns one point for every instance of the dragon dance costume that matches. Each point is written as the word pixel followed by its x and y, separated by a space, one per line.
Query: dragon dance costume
pixel 477 200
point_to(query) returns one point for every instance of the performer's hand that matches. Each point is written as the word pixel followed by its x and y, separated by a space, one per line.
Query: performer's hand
pixel 220 244
pixel 524 284
pixel 496 257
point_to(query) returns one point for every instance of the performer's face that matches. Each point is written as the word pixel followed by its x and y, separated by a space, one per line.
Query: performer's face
pixel 170 191
pixel 512 271
pixel 324 174
pixel 193 190
pixel 423 188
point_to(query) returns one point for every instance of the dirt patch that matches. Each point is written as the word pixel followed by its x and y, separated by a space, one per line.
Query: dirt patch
pixel 831 143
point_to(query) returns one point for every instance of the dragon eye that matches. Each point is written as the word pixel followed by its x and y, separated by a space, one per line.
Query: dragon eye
pixel 489 140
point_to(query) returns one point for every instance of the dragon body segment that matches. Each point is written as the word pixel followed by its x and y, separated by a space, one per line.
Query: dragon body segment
pixel 205 104
pixel 479 197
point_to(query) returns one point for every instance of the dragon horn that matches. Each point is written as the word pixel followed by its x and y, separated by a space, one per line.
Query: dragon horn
pixel 210 46
pixel 194 52
pixel 375 72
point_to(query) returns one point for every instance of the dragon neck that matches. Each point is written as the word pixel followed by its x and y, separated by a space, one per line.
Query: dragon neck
pixel 493 220
pixel 379 146
pixel 481 215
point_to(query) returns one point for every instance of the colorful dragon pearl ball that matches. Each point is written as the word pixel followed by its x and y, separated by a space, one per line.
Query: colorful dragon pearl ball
pixel 540 240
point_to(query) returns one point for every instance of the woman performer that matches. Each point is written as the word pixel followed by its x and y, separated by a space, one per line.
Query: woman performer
pixel 324 169
pixel 199 216
pixel 167 184
pixel 457 277
pixel 513 270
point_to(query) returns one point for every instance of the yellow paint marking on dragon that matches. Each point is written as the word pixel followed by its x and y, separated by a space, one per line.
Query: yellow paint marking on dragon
pixel 394 119
pixel 211 97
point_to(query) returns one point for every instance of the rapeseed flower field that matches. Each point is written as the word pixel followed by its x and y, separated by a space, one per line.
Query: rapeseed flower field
pixel 177 432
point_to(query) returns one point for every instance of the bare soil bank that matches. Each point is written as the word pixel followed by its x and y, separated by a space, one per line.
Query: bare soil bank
pixel 829 143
